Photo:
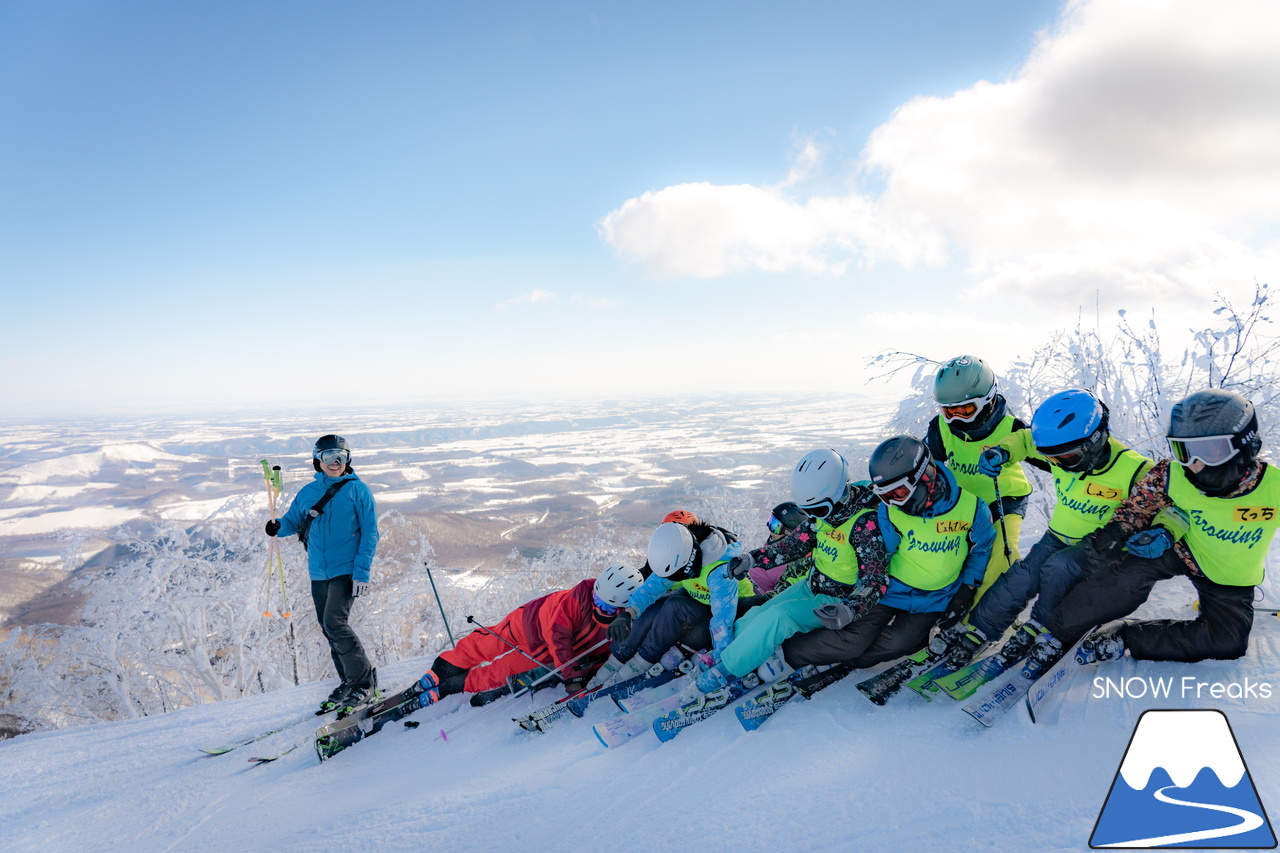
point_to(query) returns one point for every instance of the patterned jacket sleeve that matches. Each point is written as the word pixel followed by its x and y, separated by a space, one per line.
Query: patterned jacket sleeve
pixel 873 565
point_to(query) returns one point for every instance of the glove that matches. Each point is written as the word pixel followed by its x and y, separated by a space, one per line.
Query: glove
pixel 1103 545
pixel 359 588
pixel 833 616
pixel 273 527
pixel 620 628
pixel 958 606
pixel 738 567
pixel 1150 544
pixel 764 580
pixel 991 461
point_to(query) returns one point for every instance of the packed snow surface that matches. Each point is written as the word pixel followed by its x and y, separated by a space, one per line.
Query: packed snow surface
pixel 832 773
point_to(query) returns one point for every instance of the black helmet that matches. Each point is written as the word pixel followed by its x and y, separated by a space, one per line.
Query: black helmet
pixel 898 467
pixel 1218 428
pixel 785 517
pixel 330 442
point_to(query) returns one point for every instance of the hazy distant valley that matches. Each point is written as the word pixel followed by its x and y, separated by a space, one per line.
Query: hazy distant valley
pixel 482 480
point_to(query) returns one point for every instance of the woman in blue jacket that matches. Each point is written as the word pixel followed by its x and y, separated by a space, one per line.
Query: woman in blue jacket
pixel 340 542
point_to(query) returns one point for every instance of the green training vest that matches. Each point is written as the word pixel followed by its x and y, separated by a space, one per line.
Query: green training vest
pixel 699 590
pixel 1087 502
pixel 962 459
pixel 1229 537
pixel 833 553
pixel 932 551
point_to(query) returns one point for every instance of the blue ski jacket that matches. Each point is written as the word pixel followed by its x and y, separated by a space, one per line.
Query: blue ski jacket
pixel 343 539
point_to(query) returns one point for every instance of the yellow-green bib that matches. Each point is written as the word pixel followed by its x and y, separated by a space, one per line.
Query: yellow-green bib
pixel 932 551
pixel 1229 537
pixel 833 554
pixel 699 590
pixel 962 459
pixel 1087 502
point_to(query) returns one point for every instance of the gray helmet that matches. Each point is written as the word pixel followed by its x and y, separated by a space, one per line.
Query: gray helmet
pixel 965 379
pixel 819 482
pixel 897 468
pixel 1220 429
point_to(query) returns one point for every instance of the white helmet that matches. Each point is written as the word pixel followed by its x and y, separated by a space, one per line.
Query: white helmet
pixel 819 481
pixel 671 549
pixel 616 583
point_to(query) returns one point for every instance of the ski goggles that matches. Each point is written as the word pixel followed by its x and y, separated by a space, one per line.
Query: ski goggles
pixel 1210 449
pixel 776 527
pixel 898 492
pixel 605 608
pixel 329 457
pixel 966 410
pixel 1066 458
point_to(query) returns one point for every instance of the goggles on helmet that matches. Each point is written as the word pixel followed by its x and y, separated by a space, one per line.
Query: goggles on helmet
pixel 776 527
pixel 1212 450
pixel 966 411
pixel 1067 458
pixel 604 607
pixel 329 457
pixel 819 510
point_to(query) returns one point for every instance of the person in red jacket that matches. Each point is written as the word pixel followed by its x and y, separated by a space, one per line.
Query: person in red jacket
pixel 554 630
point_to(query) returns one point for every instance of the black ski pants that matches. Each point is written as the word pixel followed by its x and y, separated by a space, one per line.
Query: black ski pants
pixel 885 633
pixel 1047 573
pixel 1220 632
pixel 674 618
pixel 333 600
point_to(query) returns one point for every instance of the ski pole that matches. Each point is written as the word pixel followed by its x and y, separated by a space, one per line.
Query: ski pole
pixel 471 620
pixel 275 563
pixel 1004 533
pixel 444 733
pixel 431 578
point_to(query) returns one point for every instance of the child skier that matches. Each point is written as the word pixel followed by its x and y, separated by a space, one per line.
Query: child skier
pixel 1093 472
pixel 1232 501
pixel 552 630
pixel 974 415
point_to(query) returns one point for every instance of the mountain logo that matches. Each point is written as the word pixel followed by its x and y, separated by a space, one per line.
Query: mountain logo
pixel 1183 783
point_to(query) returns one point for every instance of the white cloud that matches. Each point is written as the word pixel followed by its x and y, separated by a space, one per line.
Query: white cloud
pixel 534 297
pixel 1133 153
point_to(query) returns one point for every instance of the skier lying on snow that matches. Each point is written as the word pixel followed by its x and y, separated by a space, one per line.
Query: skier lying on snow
pixel 553 629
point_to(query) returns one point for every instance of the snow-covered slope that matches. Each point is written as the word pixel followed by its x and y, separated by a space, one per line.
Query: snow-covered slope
pixel 834 773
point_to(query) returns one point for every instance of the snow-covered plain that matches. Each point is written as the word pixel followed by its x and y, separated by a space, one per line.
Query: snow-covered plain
pixel 833 773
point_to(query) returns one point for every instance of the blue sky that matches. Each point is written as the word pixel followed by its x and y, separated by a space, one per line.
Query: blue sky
pixel 235 204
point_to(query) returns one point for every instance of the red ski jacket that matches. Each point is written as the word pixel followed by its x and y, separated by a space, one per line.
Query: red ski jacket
pixel 562 625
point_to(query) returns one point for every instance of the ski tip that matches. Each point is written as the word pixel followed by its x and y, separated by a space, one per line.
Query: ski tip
pixel 595 731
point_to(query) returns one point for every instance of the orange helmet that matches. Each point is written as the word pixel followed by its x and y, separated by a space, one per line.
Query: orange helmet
pixel 680 516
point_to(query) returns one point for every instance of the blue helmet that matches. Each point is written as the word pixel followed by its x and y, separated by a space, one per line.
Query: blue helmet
pixel 1071 429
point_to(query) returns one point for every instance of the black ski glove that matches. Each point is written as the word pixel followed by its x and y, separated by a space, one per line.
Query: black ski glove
pixel 738 567
pixel 1104 545
pixel 273 527
pixel 958 606
pixel 621 627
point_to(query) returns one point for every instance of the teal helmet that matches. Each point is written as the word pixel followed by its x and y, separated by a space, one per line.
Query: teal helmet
pixel 964 388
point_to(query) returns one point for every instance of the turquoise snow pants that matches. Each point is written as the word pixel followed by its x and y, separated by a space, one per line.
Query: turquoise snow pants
pixel 763 628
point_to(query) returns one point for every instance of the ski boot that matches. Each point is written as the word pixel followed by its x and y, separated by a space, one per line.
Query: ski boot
pixel 775 668
pixel 1019 644
pixel 1045 652
pixel 714 678
pixel 428 687
pixel 358 696
pixel 484 697
pixel 959 645
pixel 1105 644
pixel 332 702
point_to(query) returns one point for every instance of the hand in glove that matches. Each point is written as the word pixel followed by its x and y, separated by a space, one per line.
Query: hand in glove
pixel 991 461
pixel 834 616
pixel 273 527
pixel 620 628
pixel 958 606
pixel 1150 544
pixel 739 566
pixel 359 588
pixel 1103 545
